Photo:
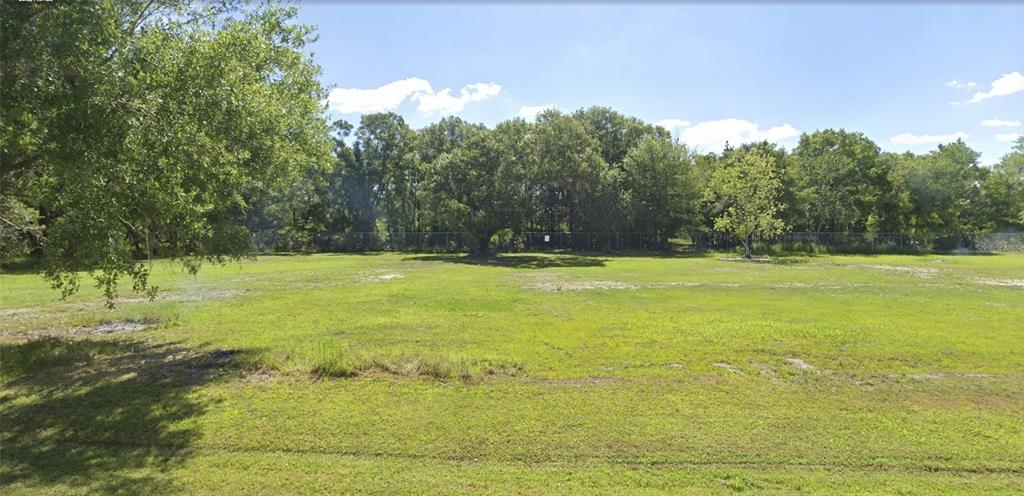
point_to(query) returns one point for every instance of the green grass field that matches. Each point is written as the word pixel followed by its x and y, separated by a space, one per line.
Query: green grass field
pixel 524 374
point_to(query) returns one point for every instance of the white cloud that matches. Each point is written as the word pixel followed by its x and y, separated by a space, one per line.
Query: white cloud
pixel 391 95
pixel 925 139
pixel 1007 84
pixel 529 112
pixel 999 123
pixel 1007 137
pixel 712 135
pixel 444 103
pixel 672 124
pixel 960 85
pixel 387 97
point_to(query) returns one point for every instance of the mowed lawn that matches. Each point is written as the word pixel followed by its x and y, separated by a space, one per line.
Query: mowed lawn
pixel 522 374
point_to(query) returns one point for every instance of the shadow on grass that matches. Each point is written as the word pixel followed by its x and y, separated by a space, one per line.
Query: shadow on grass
pixel 21 265
pixel 88 413
pixel 513 261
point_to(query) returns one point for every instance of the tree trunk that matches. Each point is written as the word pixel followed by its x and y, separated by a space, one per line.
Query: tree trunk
pixel 748 244
pixel 484 244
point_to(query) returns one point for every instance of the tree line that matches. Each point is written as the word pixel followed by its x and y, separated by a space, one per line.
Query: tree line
pixel 131 130
pixel 597 170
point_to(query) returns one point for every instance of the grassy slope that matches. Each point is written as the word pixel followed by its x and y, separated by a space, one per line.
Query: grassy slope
pixel 612 389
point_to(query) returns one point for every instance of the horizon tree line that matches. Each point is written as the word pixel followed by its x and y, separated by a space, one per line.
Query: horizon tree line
pixel 135 130
pixel 597 170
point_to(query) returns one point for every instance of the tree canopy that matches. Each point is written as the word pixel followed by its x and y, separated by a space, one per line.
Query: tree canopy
pixel 145 127
pixel 748 186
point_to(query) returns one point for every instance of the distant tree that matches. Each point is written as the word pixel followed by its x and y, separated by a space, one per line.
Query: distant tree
pixel 941 191
pixel 444 136
pixel 747 186
pixel 615 133
pixel 660 187
pixel 20 231
pixel 838 181
pixel 138 129
pixel 386 173
pixel 572 179
pixel 1003 190
pixel 478 187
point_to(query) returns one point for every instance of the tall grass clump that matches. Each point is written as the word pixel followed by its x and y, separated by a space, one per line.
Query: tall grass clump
pixel 331 360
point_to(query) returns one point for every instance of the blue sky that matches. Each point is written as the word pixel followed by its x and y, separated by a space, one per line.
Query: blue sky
pixel 736 71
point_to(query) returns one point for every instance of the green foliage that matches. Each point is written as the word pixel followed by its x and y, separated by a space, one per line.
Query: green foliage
pixel 444 136
pixel 747 186
pixel 839 183
pixel 1003 190
pixel 616 134
pixel 19 228
pixel 660 188
pixel 573 181
pixel 478 187
pixel 941 191
pixel 139 129
pixel 387 172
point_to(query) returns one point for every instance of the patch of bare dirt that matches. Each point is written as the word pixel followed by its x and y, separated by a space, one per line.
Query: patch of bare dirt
pixel 114 327
pixel 945 375
pixel 579 285
pixel 117 327
pixel 1013 283
pixel 382 277
pixel 792 285
pixel 676 284
pixel 922 272
pixel 175 296
pixel 800 364
pixel 557 285
pixel 189 296
pixel 13 312
pixel 729 367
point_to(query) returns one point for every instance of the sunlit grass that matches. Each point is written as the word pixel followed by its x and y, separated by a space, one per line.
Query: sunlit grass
pixel 527 373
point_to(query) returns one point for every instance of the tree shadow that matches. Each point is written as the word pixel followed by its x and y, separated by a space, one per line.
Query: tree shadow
pixel 514 261
pixel 91 413
pixel 671 253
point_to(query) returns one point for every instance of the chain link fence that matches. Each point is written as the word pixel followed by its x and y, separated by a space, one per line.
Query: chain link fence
pixel 426 241
pixel 269 241
pixel 873 242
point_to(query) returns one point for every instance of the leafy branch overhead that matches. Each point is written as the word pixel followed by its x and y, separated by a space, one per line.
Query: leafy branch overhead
pixel 145 127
